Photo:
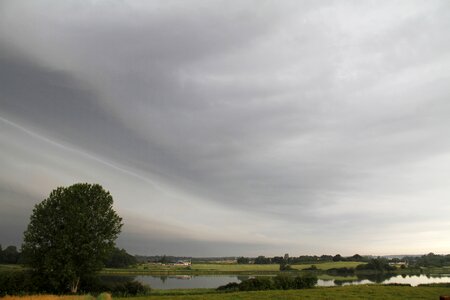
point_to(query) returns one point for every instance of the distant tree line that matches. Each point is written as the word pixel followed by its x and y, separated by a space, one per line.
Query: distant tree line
pixel 429 260
pixel 119 258
pixel 9 255
pixel 171 259
pixel 304 259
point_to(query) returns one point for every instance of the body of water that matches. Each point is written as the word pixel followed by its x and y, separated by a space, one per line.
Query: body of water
pixel 214 281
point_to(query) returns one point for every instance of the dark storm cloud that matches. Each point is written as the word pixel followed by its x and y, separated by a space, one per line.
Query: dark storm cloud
pixel 312 116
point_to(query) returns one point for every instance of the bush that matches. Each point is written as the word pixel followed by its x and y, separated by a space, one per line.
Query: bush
pixel 18 282
pixel 280 282
pixel 305 282
pixel 230 287
pixel 283 282
pixel 127 288
pixel 377 264
pixel 256 284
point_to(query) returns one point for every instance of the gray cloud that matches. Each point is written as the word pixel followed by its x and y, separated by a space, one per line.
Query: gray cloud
pixel 303 119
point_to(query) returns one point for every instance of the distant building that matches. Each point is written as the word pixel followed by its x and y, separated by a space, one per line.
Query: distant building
pixel 286 256
pixel 182 263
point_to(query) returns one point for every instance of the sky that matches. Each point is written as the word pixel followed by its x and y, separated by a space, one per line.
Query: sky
pixel 229 128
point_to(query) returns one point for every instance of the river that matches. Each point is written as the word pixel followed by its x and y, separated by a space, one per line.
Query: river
pixel 214 281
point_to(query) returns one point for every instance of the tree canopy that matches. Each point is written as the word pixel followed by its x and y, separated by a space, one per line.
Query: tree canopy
pixel 119 258
pixel 70 235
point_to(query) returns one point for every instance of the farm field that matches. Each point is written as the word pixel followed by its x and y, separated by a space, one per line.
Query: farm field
pixel 375 292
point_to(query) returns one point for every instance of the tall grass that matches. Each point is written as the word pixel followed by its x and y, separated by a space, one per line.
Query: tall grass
pixel 103 296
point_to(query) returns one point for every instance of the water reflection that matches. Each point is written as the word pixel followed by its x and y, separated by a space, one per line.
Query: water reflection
pixel 214 281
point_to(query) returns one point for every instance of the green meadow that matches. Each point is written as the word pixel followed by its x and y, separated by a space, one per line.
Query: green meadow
pixel 329 265
pixel 373 292
pixel 223 268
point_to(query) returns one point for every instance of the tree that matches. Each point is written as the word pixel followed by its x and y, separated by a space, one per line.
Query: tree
pixel 119 258
pixel 243 260
pixel 262 260
pixel 337 257
pixel 11 255
pixel 164 259
pixel 70 235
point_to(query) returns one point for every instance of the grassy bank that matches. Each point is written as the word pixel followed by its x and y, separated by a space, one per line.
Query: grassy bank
pixel 336 293
pixel 375 292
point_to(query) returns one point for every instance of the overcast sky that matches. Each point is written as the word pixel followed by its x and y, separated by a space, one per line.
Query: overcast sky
pixel 233 127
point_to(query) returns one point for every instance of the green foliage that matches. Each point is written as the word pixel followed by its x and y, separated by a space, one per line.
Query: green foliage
pixel 304 282
pixel 279 282
pixel 10 255
pixel 262 260
pixel 229 287
pixel 338 257
pixel 433 260
pixel 119 258
pixel 243 260
pixel 70 235
pixel 377 264
pixel 14 283
pixel 283 282
pixel 164 259
pixel 129 288
pixel 256 284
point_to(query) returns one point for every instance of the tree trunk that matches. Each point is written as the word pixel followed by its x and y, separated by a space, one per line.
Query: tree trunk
pixel 74 285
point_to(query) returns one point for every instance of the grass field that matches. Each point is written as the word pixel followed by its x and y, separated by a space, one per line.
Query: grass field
pixel 4 267
pixel 329 265
pixel 373 292
pixel 223 268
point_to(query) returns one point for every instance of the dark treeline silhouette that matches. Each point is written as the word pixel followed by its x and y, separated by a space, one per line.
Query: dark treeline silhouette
pixel 119 258
pixel 304 259
pixel 10 255
pixel 429 260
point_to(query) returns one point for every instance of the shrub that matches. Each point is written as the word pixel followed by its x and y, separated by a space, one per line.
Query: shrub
pixel 230 287
pixel 283 282
pixel 14 283
pixel 256 284
pixel 304 282
pixel 129 288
